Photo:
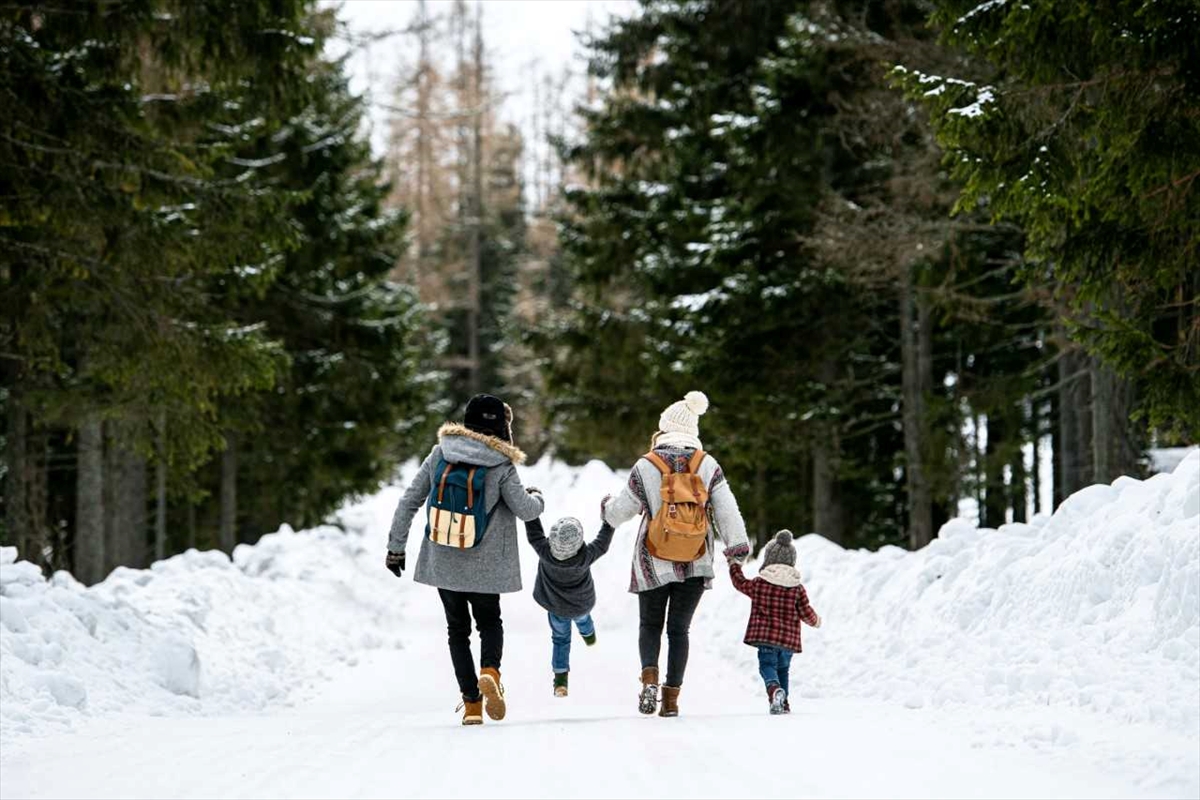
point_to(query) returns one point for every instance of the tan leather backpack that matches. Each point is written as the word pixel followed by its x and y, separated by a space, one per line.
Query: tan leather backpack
pixel 679 531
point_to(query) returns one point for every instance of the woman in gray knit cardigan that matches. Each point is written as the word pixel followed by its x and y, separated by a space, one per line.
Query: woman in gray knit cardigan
pixel 669 591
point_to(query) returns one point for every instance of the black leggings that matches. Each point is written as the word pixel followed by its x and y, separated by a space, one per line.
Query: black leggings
pixel 459 608
pixel 674 604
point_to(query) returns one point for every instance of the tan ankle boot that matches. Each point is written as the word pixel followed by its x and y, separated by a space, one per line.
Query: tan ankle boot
pixel 493 693
pixel 472 711
pixel 648 699
pixel 670 702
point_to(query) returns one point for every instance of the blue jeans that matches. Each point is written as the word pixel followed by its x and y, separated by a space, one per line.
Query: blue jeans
pixel 560 635
pixel 773 665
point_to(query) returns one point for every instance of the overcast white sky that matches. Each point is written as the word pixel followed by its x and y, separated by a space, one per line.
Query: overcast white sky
pixel 515 32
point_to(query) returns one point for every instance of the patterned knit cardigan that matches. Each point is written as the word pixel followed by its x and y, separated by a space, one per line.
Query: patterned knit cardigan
pixel 642 496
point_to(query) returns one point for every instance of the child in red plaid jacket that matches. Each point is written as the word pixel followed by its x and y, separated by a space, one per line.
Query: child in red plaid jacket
pixel 778 604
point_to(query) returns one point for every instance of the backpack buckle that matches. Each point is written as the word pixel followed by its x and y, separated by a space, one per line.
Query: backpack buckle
pixel 672 510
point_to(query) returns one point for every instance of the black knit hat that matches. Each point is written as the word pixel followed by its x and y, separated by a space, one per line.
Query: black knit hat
pixel 488 415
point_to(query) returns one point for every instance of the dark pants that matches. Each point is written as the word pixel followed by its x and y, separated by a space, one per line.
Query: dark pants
pixel 673 604
pixel 486 609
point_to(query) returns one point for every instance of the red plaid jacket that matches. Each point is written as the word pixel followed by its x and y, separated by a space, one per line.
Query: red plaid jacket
pixel 775 611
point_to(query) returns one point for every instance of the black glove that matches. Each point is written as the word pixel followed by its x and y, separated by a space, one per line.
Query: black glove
pixel 395 563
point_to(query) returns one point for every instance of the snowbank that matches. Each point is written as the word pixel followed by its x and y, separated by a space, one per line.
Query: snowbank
pixel 1095 607
pixel 197 633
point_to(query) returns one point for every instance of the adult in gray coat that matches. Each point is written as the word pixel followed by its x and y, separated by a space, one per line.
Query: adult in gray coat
pixel 471 580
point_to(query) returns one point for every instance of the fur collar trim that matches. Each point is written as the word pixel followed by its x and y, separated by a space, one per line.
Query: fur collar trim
pixel 513 453
pixel 780 575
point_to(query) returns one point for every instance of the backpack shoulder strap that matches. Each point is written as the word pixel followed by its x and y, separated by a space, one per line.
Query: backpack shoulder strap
pixel 695 461
pixel 657 460
pixel 442 483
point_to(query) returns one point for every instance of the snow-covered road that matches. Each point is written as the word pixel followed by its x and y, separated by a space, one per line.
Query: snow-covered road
pixel 387 728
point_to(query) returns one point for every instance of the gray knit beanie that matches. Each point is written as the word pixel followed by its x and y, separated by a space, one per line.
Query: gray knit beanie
pixel 780 550
pixel 566 538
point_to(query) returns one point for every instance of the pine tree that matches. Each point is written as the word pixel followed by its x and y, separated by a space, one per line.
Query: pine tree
pixel 1087 135
pixel 353 398
pixel 119 118
pixel 766 217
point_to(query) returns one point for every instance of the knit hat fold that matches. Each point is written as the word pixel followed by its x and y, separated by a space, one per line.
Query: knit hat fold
pixel 780 550
pixel 566 538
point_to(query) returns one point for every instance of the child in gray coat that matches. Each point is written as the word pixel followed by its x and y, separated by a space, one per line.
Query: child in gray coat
pixel 564 585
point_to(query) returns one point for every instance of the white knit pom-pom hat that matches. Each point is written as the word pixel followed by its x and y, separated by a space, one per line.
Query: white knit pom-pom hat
pixel 683 416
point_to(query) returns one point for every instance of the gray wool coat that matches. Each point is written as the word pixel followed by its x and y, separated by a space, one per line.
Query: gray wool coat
pixel 494 566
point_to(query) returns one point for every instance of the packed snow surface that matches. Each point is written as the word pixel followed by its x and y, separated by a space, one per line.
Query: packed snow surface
pixel 1056 658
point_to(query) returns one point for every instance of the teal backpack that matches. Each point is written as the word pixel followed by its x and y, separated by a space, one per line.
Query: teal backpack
pixel 457 509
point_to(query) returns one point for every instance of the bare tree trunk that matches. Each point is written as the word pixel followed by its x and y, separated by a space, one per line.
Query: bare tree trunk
pixel 424 144
pixel 475 276
pixel 1129 435
pixel 760 502
pixel 44 542
pixel 160 485
pixel 16 480
pixel 1035 411
pixel 828 518
pixel 828 515
pixel 1056 450
pixel 227 533
pixel 995 505
pixel 920 506
pixel 1103 435
pixel 135 496
pixel 191 525
pixel 91 557
pixel 125 502
pixel 1115 449
pixel 1083 423
pixel 1066 448
pixel 1019 489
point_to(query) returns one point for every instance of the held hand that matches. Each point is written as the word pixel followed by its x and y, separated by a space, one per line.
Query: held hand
pixel 604 505
pixel 395 563
pixel 534 490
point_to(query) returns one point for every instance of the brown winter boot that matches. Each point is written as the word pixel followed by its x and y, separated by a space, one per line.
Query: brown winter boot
pixel 670 702
pixel 493 692
pixel 648 699
pixel 472 711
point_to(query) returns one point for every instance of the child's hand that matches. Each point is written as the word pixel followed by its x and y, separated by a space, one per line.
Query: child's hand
pixel 534 490
pixel 604 504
